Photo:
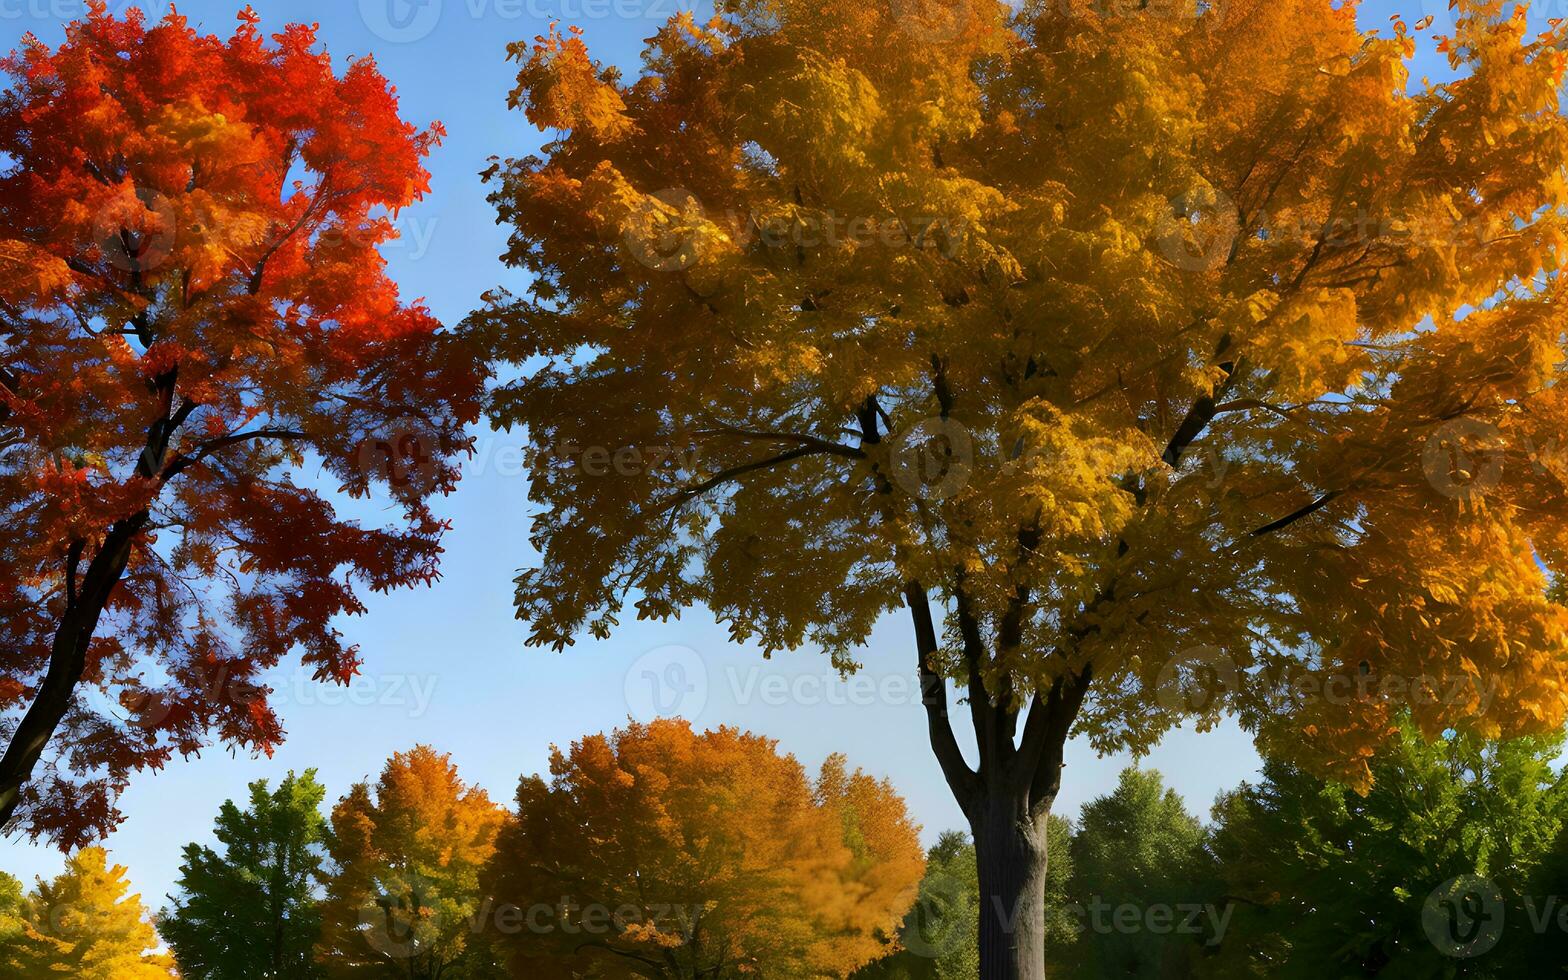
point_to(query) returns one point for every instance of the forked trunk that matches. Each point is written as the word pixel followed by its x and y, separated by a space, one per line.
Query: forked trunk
pixel 1010 852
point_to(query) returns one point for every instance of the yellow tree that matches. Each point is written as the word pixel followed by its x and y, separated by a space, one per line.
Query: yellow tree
pixel 664 853
pixel 1118 344
pixel 403 897
pixel 84 925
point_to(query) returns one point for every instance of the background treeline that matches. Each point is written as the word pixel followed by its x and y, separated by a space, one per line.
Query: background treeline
pixel 1294 876
pixel 421 876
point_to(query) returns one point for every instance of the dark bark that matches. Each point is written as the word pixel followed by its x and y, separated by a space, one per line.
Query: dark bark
pixel 1008 799
pixel 67 660
pixel 85 603
pixel 1011 856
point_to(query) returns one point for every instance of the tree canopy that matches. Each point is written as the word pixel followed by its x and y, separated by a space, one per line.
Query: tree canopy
pixel 253 907
pixel 664 853
pixel 193 309
pixel 1114 342
pixel 402 897
pixel 83 924
pixel 1329 879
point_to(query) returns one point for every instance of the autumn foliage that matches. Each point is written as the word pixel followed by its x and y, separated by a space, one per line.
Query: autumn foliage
pixel 1131 348
pixel 407 855
pixel 84 925
pixel 195 322
pixel 662 852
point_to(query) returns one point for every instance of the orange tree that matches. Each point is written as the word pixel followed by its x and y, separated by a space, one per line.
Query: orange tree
pixel 194 305
pixel 1116 344
pixel 660 852
pixel 402 898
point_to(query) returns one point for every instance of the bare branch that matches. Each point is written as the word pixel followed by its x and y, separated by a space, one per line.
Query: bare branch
pixel 1297 515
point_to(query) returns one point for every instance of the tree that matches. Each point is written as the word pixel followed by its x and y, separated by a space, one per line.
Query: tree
pixel 402 897
pixel 10 910
pixel 1330 881
pixel 194 308
pixel 1138 848
pixel 251 911
pixel 940 935
pixel 664 853
pixel 83 925
pixel 1113 343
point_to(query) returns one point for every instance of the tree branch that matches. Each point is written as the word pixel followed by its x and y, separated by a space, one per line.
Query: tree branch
pixel 1058 711
pixel 183 462
pixel 689 493
pixel 962 780
pixel 1297 515
pixel 1202 412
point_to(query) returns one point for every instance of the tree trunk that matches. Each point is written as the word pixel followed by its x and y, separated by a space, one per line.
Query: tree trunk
pixel 85 603
pixel 1011 855
pixel 1008 797
pixel 67 660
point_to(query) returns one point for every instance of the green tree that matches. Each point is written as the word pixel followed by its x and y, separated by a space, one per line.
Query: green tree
pixel 10 910
pixel 250 911
pixel 941 935
pixel 1434 873
pixel 1138 884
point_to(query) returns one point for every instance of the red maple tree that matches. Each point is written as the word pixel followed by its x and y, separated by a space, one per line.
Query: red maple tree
pixel 193 309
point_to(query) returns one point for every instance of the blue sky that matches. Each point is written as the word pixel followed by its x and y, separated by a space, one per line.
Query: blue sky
pixel 447 665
